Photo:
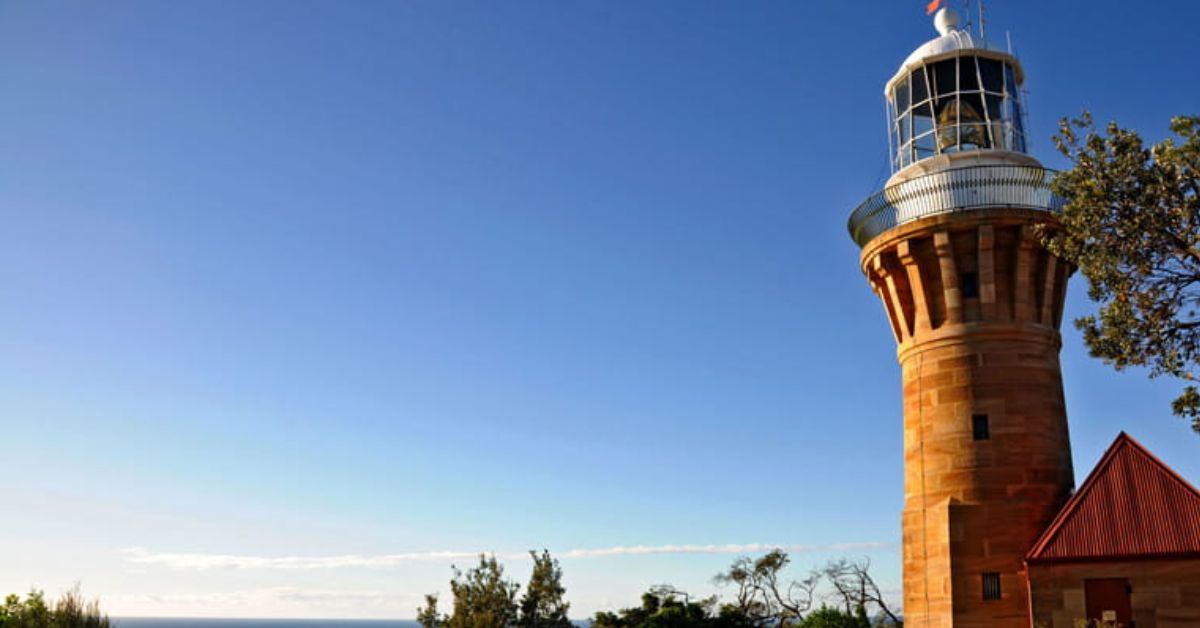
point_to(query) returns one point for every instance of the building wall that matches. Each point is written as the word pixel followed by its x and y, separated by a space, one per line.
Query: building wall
pixel 1165 593
pixel 974 506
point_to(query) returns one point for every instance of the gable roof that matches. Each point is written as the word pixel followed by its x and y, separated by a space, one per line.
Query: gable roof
pixel 1132 505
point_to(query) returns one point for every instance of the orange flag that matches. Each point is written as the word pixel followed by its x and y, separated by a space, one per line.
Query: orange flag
pixel 932 6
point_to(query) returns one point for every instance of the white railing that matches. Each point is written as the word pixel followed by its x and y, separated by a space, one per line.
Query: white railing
pixel 973 187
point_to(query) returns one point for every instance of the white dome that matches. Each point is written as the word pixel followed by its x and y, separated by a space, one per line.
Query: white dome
pixel 954 40
pixel 947 45
pixel 946 21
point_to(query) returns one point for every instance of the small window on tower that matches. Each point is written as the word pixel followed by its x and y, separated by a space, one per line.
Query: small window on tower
pixel 991 585
pixel 970 286
pixel 979 427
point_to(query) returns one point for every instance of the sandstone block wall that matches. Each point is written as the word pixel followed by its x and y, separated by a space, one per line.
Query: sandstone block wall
pixel 975 304
pixel 1164 593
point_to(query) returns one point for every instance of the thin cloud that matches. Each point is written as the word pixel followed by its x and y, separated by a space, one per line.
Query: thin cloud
pixel 264 602
pixel 194 561
pixel 749 548
pixel 142 556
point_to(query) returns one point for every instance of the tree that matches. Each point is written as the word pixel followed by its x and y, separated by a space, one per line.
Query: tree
pixel 482 597
pixel 828 617
pixel 1131 225
pixel 760 595
pixel 71 610
pixel 428 615
pixel 764 598
pixel 31 612
pixel 662 608
pixel 853 585
pixel 543 606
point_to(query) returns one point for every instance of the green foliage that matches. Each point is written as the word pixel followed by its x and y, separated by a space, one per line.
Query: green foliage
pixel 543 605
pixel 668 611
pixel 760 595
pixel 1132 227
pixel 857 591
pixel 662 608
pixel 763 598
pixel 69 611
pixel 482 597
pixel 428 615
pixel 828 617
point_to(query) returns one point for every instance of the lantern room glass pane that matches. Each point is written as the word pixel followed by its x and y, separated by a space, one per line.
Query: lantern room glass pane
pixel 994 107
pixel 924 146
pixel 922 119
pixel 990 70
pixel 968 80
pixel 1019 133
pixel 1013 114
pixel 963 103
pixel 1014 138
pixel 996 136
pixel 920 89
pixel 972 129
pixel 945 76
pixel 995 129
pixel 946 109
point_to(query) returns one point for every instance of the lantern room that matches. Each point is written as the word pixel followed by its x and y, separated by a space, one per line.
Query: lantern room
pixel 955 94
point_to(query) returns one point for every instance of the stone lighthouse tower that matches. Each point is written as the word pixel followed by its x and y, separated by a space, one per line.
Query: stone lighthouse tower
pixel 974 303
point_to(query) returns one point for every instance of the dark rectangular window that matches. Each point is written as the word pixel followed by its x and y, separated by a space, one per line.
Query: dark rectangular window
pixel 970 286
pixel 991 585
pixel 979 427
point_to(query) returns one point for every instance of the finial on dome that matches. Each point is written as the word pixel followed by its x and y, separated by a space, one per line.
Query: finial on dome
pixel 946 21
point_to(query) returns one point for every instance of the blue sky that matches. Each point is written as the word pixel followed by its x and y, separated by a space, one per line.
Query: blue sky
pixel 292 281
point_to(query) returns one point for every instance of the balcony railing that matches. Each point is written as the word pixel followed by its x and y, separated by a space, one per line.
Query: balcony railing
pixel 958 189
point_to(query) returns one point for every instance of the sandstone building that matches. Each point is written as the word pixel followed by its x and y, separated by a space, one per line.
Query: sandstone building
pixel 975 304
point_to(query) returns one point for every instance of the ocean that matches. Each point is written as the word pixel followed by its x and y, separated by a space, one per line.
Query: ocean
pixel 198 622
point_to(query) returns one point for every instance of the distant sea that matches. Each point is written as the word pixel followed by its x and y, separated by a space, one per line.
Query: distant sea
pixel 198 622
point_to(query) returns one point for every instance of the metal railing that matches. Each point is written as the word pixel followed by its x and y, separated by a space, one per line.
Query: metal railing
pixel 972 187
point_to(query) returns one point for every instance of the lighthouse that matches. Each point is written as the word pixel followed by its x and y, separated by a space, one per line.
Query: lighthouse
pixel 950 246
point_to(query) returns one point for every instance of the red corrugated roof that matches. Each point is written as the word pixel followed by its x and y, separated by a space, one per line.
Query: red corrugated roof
pixel 1132 505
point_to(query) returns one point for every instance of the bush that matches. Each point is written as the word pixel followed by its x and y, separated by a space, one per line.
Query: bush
pixel 69 611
